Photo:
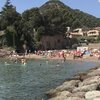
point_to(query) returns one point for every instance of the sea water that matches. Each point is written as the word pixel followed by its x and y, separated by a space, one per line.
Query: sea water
pixel 32 80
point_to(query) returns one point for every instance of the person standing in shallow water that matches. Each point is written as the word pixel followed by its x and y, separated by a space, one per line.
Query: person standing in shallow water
pixel 63 55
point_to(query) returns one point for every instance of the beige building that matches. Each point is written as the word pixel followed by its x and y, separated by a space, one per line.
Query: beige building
pixel 93 33
pixel 97 28
pixel 77 32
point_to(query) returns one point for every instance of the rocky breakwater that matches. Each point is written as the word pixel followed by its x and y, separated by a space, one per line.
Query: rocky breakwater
pixel 84 86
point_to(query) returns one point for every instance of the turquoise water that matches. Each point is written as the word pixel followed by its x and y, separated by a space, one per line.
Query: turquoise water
pixel 30 82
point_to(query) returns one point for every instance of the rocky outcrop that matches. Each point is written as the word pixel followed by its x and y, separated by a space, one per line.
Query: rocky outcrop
pixel 84 86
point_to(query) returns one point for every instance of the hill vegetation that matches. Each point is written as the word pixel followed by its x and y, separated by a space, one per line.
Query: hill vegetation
pixel 52 18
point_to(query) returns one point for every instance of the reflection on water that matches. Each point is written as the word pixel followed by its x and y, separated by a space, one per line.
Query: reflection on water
pixel 30 82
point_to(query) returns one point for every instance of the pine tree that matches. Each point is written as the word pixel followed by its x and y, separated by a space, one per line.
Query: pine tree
pixel 8 15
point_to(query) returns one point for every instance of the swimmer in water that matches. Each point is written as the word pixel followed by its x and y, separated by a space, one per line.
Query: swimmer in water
pixel 57 65
pixel 47 62
pixel 6 63
pixel 23 61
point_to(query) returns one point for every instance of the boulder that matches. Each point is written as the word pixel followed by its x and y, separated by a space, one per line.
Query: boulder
pixel 74 98
pixel 94 73
pixel 68 85
pixel 96 99
pixel 64 93
pixel 92 95
pixel 65 87
pixel 71 82
pixel 58 98
pixel 90 80
pixel 98 69
pixel 52 93
pixel 78 94
pixel 82 75
pixel 86 88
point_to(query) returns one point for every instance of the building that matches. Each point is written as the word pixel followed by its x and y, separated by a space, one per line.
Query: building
pixel 53 42
pixel 77 33
pixel 97 28
pixel 93 33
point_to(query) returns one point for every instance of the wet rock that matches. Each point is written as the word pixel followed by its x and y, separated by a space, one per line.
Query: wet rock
pixel 92 95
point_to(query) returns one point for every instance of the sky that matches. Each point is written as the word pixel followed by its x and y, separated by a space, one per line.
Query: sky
pixel 88 6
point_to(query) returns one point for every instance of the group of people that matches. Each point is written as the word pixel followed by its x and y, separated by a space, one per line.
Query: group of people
pixel 69 53
pixel 60 54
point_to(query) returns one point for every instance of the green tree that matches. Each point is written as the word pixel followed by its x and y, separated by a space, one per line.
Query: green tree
pixel 10 22
pixel 10 36
pixel 8 15
pixel 76 24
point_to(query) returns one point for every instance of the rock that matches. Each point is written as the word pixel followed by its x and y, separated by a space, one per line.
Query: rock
pixel 65 98
pixel 58 98
pixel 68 85
pixel 90 80
pixel 52 93
pixel 71 82
pixel 65 87
pixel 83 75
pixel 64 93
pixel 98 69
pixel 92 95
pixel 86 88
pixel 78 94
pixel 74 98
pixel 94 73
pixel 96 99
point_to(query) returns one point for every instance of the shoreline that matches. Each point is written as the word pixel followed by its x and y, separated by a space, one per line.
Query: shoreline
pixel 38 57
pixel 82 86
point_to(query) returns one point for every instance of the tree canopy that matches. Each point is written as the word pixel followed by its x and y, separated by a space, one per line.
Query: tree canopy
pixel 52 18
